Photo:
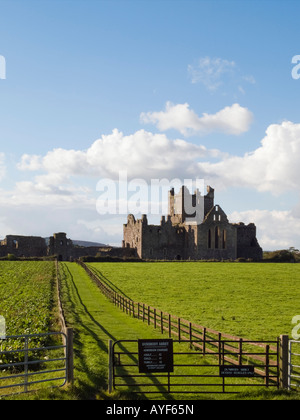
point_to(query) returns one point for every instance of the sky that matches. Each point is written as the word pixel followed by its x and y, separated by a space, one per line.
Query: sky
pixel 99 92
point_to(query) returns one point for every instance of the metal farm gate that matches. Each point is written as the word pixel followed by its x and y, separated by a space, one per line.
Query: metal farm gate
pixel 294 364
pixel 29 362
pixel 167 366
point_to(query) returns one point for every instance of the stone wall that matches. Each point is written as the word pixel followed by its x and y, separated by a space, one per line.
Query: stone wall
pixel 216 237
pixel 163 242
pixel 23 246
pixel 247 244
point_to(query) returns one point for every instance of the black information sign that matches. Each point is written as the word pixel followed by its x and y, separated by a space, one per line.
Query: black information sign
pixel 237 371
pixel 156 356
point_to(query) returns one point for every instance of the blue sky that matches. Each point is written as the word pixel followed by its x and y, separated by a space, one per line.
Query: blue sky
pixel 160 88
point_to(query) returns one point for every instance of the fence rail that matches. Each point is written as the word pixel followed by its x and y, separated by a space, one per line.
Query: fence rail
pixel 236 350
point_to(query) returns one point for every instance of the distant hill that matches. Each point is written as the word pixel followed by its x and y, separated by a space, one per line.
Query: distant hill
pixel 87 244
pixel 82 243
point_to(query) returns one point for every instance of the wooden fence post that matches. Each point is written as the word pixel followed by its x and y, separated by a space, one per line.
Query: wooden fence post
pixel 69 356
pixel 284 362
pixel 110 366
pixel 220 348
pixel 267 362
pixel 241 351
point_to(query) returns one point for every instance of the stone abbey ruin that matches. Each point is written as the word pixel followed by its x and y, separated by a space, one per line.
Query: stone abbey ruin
pixel 178 237
pixel 181 237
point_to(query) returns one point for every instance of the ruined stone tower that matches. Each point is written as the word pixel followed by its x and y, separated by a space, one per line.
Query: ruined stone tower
pixel 60 246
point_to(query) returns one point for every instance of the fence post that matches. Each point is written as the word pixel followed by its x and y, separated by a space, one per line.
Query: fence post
pixel 110 366
pixel 241 351
pixel 220 348
pixel 69 356
pixel 284 361
pixel 267 364
pixel 26 364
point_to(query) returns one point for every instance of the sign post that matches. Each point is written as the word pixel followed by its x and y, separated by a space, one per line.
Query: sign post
pixel 156 356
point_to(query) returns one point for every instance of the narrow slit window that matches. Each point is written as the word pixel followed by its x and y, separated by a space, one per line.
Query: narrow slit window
pixel 224 239
pixel 216 238
pixel 209 239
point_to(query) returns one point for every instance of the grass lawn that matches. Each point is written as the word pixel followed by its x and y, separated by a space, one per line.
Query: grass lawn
pixel 255 301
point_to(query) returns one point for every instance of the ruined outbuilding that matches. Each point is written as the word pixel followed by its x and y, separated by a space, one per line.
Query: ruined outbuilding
pixel 57 246
pixel 34 246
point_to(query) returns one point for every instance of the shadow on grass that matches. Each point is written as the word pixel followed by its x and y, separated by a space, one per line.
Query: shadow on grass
pixel 108 282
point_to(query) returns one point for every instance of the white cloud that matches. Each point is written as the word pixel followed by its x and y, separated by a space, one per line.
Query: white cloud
pixel 30 163
pixel 142 154
pixel 214 73
pixel 233 119
pixel 210 71
pixel 274 166
pixel 67 179
pixel 275 229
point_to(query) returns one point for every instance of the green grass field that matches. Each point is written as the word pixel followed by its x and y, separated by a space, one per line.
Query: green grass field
pixel 26 296
pixel 28 304
pixel 254 301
